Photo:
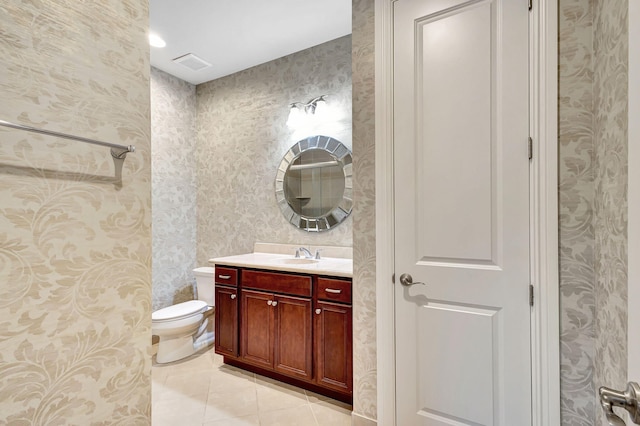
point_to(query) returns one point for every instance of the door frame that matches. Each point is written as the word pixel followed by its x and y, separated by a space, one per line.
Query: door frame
pixel 545 337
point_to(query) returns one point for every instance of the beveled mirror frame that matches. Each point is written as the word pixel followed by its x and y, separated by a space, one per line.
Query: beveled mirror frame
pixel 338 213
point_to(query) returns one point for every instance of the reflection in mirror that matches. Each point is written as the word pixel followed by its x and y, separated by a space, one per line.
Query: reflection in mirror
pixel 313 184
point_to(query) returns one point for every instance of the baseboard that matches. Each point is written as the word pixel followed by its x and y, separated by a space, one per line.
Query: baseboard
pixel 358 420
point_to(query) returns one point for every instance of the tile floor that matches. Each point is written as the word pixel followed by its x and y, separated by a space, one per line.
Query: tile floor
pixel 202 391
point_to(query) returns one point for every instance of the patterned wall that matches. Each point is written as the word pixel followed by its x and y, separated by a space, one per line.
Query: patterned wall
pixel 364 238
pixel 611 173
pixel 75 240
pixel 173 188
pixel 241 137
pixel 576 195
pixel 593 202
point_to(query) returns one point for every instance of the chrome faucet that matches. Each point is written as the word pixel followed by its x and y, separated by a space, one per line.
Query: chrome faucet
pixel 307 253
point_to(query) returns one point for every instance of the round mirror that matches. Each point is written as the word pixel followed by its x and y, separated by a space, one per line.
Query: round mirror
pixel 314 185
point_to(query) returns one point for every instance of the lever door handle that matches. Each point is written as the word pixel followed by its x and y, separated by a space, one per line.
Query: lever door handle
pixel 407 280
pixel 627 399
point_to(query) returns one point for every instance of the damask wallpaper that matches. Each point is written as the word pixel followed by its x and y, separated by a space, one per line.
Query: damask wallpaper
pixel 593 203
pixel 576 195
pixel 364 238
pixel 173 188
pixel 611 61
pixel 75 238
pixel 242 134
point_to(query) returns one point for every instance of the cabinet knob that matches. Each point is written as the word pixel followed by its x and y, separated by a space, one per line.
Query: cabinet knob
pixel 233 296
pixel 318 311
pixel 274 303
pixel 269 302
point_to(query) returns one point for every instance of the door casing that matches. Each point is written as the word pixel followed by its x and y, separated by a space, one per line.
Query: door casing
pixel 544 213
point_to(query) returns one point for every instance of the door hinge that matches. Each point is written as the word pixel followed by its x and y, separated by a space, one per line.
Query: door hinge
pixel 530 294
pixel 530 4
pixel 530 147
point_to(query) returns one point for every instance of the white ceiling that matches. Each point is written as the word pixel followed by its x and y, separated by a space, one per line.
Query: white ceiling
pixel 233 35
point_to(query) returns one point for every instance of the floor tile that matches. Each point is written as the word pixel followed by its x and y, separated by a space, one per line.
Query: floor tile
pixel 189 385
pixel 226 378
pixel 297 416
pixel 274 395
pixel 237 403
pixel 236 421
pixel 332 413
pixel 182 412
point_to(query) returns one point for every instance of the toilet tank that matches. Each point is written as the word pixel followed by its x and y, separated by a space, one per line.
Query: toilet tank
pixel 205 284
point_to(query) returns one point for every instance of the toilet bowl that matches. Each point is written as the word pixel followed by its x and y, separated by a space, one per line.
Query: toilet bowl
pixel 181 327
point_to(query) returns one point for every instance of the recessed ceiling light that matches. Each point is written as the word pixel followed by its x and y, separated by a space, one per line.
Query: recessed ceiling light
pixel 156 41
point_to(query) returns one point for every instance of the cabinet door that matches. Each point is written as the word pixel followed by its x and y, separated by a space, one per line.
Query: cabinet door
pixel 226 321
pixel 293 341
pixel 333 346
pixel 256 334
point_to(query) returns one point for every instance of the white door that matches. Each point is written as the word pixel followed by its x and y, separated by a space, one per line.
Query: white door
pixel 461 120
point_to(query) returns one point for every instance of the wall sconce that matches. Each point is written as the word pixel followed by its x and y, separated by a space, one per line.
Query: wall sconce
pixel 302 113
pixel 309 107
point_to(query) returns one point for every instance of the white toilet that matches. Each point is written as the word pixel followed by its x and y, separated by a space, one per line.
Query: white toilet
pixel 181 328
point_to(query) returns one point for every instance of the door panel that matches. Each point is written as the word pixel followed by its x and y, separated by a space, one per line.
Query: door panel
pixel 226 325
pixel 461 178
pixel 257 338
pixel 448 336
pixel 454 137
pixel 293 344
pixel 334 346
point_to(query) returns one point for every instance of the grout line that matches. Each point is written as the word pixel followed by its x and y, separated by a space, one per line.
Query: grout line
pixel 311 408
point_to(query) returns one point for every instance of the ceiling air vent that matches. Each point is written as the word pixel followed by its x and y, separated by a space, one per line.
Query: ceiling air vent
pixel 192 62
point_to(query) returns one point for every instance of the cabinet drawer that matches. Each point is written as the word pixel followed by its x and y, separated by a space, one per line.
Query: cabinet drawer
pixel 334 290
pixel 297 285
pixel 228 276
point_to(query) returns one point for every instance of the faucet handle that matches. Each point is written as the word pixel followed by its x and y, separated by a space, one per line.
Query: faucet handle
pixel 317 256
pixel 297 253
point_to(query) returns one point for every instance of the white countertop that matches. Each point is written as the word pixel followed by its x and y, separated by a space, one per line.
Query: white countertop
pixel 331 266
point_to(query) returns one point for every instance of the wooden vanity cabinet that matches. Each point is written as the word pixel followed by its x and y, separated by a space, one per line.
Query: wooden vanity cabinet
pixel 226 313
pixel 290 326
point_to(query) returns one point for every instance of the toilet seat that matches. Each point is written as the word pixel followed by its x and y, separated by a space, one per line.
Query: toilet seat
pixel 179 311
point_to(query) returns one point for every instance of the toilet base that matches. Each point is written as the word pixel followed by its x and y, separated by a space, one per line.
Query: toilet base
pixel 173 349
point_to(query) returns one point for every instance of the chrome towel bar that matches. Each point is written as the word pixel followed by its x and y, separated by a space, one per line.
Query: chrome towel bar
pixel 117 151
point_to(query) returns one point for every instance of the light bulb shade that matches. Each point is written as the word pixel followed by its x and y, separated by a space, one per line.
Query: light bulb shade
pixel 321 109
pixel 296 117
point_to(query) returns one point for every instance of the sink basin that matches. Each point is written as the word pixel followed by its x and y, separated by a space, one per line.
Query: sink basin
pixel 298 261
